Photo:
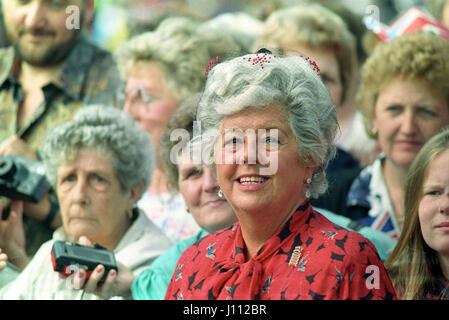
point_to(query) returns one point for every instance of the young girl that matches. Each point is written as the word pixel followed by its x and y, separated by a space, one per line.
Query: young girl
pixel 419 264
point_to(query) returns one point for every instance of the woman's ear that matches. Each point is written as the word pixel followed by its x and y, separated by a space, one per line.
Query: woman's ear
pixel 134 194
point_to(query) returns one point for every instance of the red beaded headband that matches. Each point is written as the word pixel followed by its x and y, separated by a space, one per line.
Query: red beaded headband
pixel 261 60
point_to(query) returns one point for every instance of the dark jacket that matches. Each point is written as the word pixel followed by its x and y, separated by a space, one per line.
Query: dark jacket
pixel 335 198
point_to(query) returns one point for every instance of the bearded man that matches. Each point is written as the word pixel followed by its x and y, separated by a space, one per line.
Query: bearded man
pixel 49 71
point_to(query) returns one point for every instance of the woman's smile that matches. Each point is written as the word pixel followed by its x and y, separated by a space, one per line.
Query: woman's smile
pixel 251 182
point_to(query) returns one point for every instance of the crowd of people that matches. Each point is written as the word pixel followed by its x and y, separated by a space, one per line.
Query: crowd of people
pixel 281 155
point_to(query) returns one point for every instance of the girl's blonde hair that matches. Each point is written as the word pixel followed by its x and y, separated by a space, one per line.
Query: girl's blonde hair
pixel 413 266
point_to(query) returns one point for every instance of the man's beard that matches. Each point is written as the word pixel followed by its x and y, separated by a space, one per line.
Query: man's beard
pixel 45 56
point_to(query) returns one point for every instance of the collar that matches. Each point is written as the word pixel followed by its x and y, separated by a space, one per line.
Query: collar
pixel 300 219
pixel 73 72
pixel 367 185
pixel 370 191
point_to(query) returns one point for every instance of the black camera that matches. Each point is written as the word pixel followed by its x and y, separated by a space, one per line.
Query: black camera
pixel 22 179
pixel 66 257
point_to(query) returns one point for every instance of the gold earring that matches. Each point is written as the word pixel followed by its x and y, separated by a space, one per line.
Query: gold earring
pixel 374 133
pixel 187 209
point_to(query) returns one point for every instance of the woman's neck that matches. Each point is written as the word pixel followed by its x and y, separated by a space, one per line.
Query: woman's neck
pixel 394 177
pixel 110 241
pixel 258 227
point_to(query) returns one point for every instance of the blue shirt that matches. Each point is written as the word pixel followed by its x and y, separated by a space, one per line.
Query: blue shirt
pixel 152 283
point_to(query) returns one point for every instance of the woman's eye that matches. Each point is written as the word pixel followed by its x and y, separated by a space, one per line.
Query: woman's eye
pixel 433 193
pixel 98 182
pixel 271 140
pixel 194 173
pixel 99 179
pixel 427 112
pixel 327 79
pixel 394 109
pixel 232 141
pixel 68 179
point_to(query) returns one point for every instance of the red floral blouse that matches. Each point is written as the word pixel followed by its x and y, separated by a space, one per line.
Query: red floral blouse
pixel 308 258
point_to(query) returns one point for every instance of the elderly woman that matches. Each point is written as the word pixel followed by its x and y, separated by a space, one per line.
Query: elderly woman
pixel 403 98
pixel 198 185
pixel 162 69
pixel 99 164
pixel 419 265
pixel 322 35
pixel 274 126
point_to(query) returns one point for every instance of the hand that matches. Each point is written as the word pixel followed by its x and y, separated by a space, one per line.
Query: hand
pixel 114 285
pixel 16 146
pixel 39 211
pixel 3 259
pixel 12 235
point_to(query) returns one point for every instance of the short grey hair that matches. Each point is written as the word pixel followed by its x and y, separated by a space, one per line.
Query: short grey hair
pixel 315 26
pixel 241 27
pixel 288 81
pixel 181 48
pixel 108 130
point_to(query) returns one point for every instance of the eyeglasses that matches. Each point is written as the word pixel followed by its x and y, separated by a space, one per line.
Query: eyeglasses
pixel 137 97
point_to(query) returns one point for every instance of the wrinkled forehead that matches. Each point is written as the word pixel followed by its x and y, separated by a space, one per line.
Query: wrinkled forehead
pixel 262 117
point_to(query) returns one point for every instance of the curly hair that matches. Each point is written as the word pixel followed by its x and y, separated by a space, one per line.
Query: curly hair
pixel 108 130
pixel 289 81
pixel 420 56
pixel 183 119
pixel 315 26
pixel 180 48
pixel 413 265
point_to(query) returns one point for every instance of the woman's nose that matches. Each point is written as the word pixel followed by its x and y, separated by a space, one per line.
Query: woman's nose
pixel 80 191
pixel 128 107
pixel 408 123
pixel 210 183
pixel 249 150
pixel 444 204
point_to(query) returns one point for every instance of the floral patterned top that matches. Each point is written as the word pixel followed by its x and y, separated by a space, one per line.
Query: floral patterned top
pixel 307 258
pixel 167 210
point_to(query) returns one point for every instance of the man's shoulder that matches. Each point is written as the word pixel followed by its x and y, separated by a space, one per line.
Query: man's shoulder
pixel 101 76
pixel 86 55
pixel 6 61
pixel 100 55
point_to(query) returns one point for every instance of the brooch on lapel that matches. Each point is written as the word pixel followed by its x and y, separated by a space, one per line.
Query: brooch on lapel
pixel 296 255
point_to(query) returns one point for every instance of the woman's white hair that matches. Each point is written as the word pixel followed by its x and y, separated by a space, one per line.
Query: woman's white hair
pixel 181 47
pixel 108 130
pixel 291 83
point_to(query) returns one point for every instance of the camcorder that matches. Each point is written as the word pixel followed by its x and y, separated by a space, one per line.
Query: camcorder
pixel 22 179
pixel 67 258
